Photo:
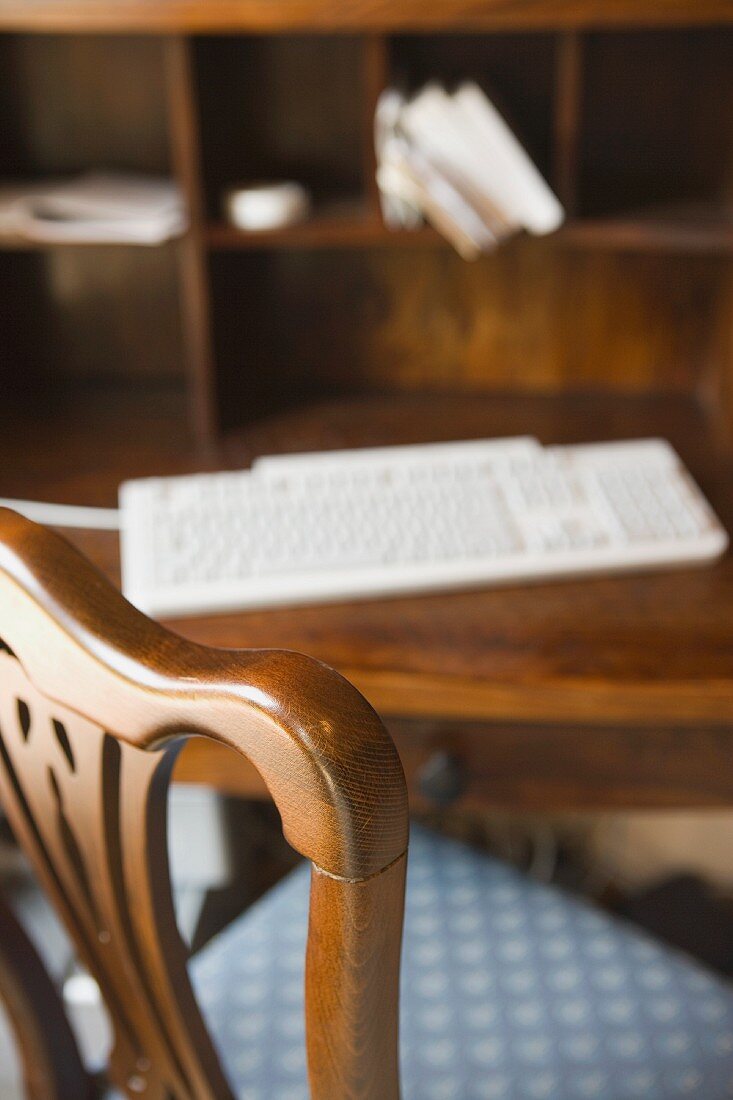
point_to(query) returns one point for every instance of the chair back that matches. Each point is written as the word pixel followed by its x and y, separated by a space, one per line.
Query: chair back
pixel 96 701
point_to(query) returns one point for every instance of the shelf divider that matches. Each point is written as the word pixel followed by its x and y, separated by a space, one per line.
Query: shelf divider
pixel 376 71
pixel 567 118
pixel 185 143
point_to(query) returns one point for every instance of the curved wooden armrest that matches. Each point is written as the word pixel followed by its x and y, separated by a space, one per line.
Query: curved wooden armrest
pixel 330 765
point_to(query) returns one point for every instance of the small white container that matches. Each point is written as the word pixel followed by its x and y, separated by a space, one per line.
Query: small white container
pixel 258 206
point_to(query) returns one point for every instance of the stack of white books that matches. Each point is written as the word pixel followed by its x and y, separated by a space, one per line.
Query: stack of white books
pixel 96 207
pixel 452 160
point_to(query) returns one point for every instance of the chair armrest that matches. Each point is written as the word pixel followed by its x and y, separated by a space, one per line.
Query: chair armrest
pixel 329 763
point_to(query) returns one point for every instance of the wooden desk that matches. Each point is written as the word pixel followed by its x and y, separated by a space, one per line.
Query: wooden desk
pixel 613 691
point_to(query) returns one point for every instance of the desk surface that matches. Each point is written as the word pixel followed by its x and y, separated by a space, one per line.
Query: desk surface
pixel 641 650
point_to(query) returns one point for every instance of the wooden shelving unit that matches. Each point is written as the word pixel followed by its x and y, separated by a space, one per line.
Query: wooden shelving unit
pixel 624 109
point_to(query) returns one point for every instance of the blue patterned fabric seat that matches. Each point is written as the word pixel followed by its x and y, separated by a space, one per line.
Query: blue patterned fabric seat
pixel 510 991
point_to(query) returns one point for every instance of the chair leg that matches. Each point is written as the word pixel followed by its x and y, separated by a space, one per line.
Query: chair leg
pixel 52 1066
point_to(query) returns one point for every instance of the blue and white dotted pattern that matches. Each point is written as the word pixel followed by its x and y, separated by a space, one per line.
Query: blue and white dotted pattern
pixel 510 991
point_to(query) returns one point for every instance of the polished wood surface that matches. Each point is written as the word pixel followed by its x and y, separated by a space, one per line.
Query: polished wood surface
pixel 541 767
pixel 263 15
pixel 95 700
pixel 356 1007
pixel 49 1059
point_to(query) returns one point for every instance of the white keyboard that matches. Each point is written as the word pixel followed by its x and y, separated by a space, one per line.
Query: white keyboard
pixel 349 524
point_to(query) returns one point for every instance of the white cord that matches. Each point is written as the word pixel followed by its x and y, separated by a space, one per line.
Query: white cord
pixel 65 515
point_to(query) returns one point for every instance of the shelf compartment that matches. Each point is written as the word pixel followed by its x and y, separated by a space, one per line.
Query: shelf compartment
pixel 517 72
pixel 91 311
pixel 655 120
pixel 57 113
pixel 281 108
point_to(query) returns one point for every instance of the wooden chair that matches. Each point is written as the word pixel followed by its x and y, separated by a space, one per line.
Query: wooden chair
pixel 49 1058
pixel 511 990
pixel 94 702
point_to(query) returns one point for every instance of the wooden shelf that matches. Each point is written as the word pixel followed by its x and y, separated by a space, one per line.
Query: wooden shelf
pixel 342 225
pixel 642 649
pixel 686 229
pixel 339 225
pixel 21 244
pixel 690 228
pixel 226 16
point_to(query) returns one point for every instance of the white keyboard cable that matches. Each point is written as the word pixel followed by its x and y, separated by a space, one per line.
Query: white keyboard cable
pixel 65 515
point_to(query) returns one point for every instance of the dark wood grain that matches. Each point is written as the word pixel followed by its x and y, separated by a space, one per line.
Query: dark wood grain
pixel 537 767
pixel 355 1009
pixel 531 318
pixel 94 701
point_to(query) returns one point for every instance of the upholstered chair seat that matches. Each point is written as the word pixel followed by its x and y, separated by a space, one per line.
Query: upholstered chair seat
pixel 511 990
